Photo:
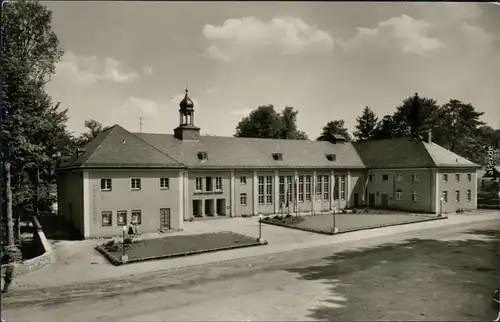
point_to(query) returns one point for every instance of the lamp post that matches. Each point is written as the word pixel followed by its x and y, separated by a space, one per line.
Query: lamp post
pixel 335 230
pixel 441 206
pixel 124 256
pixel 260 228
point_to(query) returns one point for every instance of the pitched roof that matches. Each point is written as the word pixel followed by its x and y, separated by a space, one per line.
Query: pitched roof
pixel 408 152
pixel 117 147
pixel 231 152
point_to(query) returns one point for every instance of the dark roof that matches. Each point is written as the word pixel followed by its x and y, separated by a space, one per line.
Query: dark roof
pixel 231 152
pixel 117 147
pixel 186 104
pixel 408 152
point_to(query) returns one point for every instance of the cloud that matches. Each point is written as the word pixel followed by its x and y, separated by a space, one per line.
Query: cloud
pixel 405 33
pixel 148 70
pixel 239 38
pixel 242 112
pixel 86 70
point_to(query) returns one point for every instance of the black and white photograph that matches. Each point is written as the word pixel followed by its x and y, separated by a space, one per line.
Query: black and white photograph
pixel 249 161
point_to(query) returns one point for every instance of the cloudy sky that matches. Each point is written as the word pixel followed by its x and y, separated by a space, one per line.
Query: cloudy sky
pixel 125 60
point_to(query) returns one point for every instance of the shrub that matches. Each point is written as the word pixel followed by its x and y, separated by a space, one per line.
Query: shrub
pixel 110 243
pixel 288 216
pixel 128 241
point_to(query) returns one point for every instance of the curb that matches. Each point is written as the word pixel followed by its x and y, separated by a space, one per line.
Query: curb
pixel 322 232
pixel 117 262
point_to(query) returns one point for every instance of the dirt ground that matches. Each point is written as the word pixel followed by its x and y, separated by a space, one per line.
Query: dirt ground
pixel 441 274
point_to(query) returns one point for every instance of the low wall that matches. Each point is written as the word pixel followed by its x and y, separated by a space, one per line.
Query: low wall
pixel 42 247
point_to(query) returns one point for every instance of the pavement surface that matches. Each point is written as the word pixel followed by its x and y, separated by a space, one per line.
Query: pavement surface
pixel 436 273
pixel 78 262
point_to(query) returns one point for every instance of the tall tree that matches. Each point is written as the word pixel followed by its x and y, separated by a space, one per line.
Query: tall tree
pixel 367 123
pixel 289 129
pixel 386 128
pixel 265 122
pixel 34 127
pixel 334 127
pixel 93 129
pixel 415 116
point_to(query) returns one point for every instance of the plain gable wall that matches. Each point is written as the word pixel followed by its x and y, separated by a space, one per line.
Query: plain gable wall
pixel 463 185
pixel 149 199
pixel 70 197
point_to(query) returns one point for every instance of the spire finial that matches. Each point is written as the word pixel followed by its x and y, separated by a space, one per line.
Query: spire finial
pixel 186 88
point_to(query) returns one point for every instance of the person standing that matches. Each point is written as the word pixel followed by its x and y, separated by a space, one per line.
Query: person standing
pixel 8 277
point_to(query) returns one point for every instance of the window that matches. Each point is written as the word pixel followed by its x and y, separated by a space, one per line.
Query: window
pixel 243 180
pixel 121 217
pixel 135 183
pixel 457 177
pixel 342 187
pixel 107 218
pixel 278 156
pixel 336 187
pixel 165 183
pixel 308 188
pixel 243 199
pixel 385 177
pixel 202 156
pixel 301 188
pixel 414 196
pixel 136 217
pixel 445 196
pixel 319 185
pixel 289 187
pixel 269 190
pixel 469 195
pixel 445 177
pixel 371 177
pixel 399 194
pixel 105 184
pixel 199 184
pixel 282 189
pixel 261 190
pixel 326 188
pixel 457 195
pixel 469 177
pixel 399 177
pixel 218 183
pixel 414 177
pixel 331 157
pixel 208 184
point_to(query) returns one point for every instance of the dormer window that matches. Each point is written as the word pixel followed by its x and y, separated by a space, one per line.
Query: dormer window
pixel 331 157
pixel 278 156
pixel 202 156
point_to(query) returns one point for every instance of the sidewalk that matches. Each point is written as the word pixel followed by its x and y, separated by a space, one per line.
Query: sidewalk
pixel 78 262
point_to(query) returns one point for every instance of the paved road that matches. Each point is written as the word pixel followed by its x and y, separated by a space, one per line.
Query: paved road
pixel 385 282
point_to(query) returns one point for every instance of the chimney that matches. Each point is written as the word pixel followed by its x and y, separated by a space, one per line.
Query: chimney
pixel 429 137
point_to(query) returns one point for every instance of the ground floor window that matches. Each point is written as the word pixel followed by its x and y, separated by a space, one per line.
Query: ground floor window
pixel 121 217
pixel 136 217
pixel 457 195
pixel 399 194
pixel 342 187
pixel 301 188
pixel 243 199
pixel 469 195
pixel 445 196
pixel 414 196
pixel 308 188
pixel 107 218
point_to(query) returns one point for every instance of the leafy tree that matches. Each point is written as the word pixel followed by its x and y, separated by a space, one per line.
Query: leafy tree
pixel 289 125
pixel 367 123
pixel 34 127
pixel 265 122
pixel 334 127
pixel 415 116
pixel 94 128
pixel 385 129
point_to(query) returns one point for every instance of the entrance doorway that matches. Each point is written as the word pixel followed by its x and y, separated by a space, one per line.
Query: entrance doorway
pixel 165 218
pixel 385 200
pixel 221 207
pixel 371 200
pixel 356 199
pixel 197 208
pixel 209 207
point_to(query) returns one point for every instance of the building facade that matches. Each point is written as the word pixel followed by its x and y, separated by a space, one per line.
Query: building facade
pixel 158 181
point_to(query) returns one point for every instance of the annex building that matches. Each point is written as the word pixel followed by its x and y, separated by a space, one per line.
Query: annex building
pixel 161 180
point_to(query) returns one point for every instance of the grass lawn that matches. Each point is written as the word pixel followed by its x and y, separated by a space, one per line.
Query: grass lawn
pixel 430 280
pixel 173 246
pixel 345 222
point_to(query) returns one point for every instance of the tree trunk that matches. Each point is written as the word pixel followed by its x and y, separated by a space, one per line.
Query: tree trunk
pixel 10 219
